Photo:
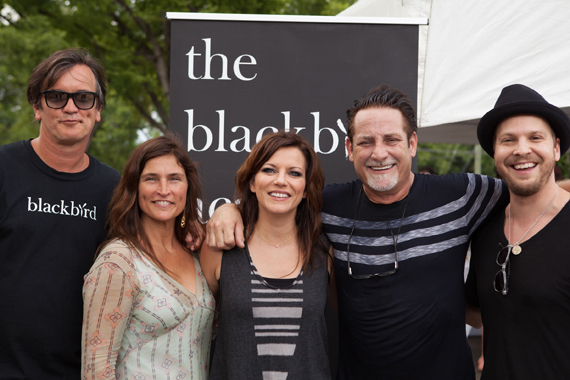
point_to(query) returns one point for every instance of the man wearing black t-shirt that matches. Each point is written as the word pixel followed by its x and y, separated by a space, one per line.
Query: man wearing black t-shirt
pixel 53 201
pixel 520 269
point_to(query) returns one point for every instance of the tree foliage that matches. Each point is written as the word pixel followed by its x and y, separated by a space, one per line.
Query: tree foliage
pixel 452 158
pixel 132 40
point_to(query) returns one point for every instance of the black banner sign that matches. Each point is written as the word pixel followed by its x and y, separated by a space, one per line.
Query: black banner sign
pixel 232 81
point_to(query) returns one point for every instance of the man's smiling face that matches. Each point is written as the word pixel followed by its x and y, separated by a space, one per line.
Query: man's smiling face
pixel 381 151
pixel 526 151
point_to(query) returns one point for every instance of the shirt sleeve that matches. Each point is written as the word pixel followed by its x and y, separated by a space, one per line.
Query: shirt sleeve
pixel 108 303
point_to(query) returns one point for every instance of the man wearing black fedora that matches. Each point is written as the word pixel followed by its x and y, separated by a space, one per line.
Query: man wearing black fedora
pixel 520 267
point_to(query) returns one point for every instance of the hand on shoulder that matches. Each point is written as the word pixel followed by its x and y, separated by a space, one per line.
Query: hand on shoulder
pixel 224 230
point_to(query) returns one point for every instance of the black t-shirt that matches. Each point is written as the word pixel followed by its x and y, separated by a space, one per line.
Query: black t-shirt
pixel 411 324
pixel 50 226
pixel 526 332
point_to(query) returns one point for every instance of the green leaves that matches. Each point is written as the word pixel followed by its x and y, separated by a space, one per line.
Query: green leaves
pixel 452 158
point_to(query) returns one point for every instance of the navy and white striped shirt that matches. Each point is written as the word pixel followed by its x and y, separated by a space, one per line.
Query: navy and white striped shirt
pixel 411 324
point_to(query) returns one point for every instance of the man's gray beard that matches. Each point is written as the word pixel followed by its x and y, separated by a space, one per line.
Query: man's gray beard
pixel 387 187
pixel 529 189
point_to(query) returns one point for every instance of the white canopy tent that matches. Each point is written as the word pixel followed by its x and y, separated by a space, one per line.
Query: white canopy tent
pixel 471 49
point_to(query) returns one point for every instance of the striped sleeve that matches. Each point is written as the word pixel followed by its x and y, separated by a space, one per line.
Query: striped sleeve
pixel 108 299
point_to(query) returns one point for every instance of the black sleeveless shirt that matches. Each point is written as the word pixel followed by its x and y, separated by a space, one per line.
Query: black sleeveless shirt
pixel 266 332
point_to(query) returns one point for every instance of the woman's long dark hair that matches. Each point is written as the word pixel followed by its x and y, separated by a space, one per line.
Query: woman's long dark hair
pixel 308 216
pixel 124 220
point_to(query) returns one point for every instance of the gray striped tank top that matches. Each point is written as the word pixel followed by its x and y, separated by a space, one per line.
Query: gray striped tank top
pixel 269 333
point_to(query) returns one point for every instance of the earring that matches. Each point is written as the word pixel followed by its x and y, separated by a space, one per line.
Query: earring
pixel 183 221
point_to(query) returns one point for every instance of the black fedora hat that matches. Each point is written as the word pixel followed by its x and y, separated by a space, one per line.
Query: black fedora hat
pixel 518 99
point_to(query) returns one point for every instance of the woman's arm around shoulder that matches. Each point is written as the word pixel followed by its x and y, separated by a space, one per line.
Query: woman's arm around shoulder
pixel 211 263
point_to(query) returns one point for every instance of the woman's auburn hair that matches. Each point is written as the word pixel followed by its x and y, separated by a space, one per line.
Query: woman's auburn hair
pixel 308 215
pixel 124 216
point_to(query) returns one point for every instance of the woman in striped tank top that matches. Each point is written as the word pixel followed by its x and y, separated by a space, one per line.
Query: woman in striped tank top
pixel 272 294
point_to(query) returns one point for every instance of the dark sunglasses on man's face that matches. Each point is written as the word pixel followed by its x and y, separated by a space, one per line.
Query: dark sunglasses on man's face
pixel 84 100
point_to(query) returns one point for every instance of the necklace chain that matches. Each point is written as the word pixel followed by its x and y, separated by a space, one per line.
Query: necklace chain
pixel 394 240
pixel 276 245
pixel 516 247
pixel 400 227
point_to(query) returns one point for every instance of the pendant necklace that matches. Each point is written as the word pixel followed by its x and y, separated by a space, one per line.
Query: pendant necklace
pixel 516 247
pixel 276 245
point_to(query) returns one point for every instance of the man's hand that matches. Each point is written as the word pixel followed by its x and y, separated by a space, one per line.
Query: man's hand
pixel 225 228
